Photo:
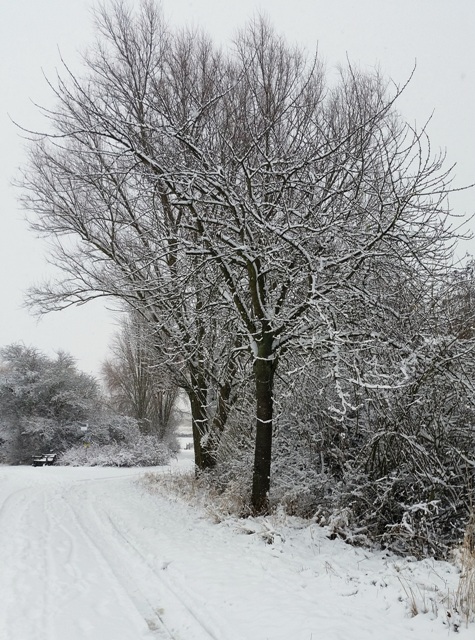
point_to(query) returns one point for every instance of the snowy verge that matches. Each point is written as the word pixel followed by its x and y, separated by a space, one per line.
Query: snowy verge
pixel 424 593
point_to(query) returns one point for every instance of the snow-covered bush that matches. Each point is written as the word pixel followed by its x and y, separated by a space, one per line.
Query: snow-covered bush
pixel 232 473
pixel 116 441
pixel 416 469
pixel 398 462
pixel 145 451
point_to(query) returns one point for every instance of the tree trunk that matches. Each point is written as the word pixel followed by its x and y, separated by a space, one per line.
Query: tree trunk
pixel 204 458
pixel 264 369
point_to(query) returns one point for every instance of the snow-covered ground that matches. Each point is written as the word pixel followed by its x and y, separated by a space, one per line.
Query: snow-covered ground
pixel 91 553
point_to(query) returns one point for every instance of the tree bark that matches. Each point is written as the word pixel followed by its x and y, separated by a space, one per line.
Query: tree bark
pixel 264 369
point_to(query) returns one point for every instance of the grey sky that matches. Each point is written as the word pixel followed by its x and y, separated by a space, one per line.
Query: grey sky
pixel 390 34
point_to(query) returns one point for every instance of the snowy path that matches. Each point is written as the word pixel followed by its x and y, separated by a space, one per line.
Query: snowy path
pixel 70 571
pixel 89 554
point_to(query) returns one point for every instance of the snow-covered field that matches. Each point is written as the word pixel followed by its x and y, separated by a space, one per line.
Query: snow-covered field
pixel 92 553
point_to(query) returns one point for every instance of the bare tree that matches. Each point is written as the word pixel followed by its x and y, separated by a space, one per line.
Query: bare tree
pixel 247 174
pixel 127 247
pixel 137 386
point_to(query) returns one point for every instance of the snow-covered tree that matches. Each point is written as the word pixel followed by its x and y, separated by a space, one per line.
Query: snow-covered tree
pixel 260 203
pixel 42 401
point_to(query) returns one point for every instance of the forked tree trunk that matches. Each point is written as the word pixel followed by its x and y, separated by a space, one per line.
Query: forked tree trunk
pixel 264 369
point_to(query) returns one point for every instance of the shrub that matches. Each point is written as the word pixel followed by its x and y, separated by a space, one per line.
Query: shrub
pixel 144 451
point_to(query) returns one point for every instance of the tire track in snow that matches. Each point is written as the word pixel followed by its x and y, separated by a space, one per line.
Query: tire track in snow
pixel 11 497
pixel 171 613
pixel 183 596
pixel 24 542
pixel 107 568
pixel 55 583
pixel 111 558
pixel 67 550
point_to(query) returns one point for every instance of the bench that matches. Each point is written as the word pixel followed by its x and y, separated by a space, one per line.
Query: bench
pixel 46 459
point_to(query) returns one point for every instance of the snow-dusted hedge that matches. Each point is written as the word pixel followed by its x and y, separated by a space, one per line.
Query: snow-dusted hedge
pixel 144 451
pixel 397 468
pixel 116 441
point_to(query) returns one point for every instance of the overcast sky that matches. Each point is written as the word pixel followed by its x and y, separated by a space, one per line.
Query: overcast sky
pixel 393 35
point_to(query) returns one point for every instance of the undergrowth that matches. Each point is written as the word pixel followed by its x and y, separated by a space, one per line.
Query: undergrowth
pixel 220 502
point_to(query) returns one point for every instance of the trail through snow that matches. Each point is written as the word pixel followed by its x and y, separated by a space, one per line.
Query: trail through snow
pixel 90 553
